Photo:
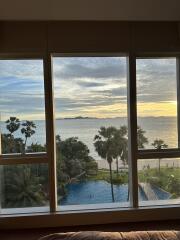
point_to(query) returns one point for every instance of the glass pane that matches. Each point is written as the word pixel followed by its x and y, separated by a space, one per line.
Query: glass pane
pixel 157 103
pixel 25 187
pixel 91 130
pixel 159 181
pixel 22 112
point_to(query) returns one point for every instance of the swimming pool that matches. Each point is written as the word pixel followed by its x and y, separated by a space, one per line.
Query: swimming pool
pixel 92 192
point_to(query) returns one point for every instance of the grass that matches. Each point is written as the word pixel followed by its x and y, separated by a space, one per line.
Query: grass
pixel 120 178
pixel 163 174
pixel 167 179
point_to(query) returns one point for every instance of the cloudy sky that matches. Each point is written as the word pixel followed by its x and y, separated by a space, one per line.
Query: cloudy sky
pixel 86 86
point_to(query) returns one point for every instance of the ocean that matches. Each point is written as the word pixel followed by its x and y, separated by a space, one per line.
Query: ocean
pixel 85 129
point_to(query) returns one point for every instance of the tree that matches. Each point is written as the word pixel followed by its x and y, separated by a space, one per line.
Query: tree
pixel 121 143
pixel 173 186
pixel 159 144
pixel 28 131
pixel 24 185
pixel 142 140
pixel 17 143
pixel 120 146
pixel 22 188
pixel 36 147
pixel 73 162
pixel 75 155
pixel 105 146
pixel 12 125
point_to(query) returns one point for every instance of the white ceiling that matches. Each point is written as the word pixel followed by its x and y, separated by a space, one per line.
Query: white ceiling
pixel 124 10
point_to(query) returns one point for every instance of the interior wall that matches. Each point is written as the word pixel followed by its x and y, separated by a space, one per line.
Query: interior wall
pixel 119 10
pixel 84 36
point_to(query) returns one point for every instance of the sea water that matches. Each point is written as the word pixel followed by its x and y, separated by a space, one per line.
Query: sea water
pixel 164 128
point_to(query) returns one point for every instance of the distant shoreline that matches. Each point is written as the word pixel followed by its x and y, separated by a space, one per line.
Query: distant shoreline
pixel 74 118
pixel 96 118
pixel 79 117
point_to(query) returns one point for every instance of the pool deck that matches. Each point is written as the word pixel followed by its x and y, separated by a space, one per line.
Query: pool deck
pixel 148 191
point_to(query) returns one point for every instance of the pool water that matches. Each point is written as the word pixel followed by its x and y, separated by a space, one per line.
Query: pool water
pixel 91 192
pixel 162 195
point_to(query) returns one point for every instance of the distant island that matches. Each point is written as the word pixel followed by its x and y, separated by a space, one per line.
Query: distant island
pixel 78 117
pixel 144 117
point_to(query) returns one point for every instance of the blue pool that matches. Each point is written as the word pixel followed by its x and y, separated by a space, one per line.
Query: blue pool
pixel 92 192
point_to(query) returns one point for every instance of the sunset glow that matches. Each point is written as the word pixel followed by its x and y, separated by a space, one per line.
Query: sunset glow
pixel 88 87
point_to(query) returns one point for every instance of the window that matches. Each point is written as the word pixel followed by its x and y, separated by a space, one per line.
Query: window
pixel 159 181
pixel 157 112
pixel 91 131
pixel 22 107
pixel 157 101
pixel 24 188
pixel 23 163
pixel 92 134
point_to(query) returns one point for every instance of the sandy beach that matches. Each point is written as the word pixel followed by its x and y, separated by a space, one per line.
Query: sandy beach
pixel 142 163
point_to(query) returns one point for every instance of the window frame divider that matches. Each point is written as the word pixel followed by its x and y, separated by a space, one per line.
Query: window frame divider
pixel 50 131
pixel 178 97
pixel 132 130
pixel 163 153
pixel 24 160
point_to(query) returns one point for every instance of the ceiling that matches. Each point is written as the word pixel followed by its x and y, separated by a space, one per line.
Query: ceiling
pixel 123 10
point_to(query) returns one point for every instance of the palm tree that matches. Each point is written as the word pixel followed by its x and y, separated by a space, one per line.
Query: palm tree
pixel 12 125
pixel 28 131
pixel 120 146
pixel 104 145
pixel 159 144
pixel 23 188
pixel 142 140
pixel 121 143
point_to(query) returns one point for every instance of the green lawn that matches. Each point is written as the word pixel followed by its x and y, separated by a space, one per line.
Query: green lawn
pixel 103 174
pixel 167 179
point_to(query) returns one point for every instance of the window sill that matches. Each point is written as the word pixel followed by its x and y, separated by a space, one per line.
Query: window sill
pixel 28 210
pixel 43 218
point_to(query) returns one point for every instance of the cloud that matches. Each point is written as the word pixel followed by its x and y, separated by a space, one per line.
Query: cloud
pixel 86 85
pixel 21 88
pixel 94 68
pixel 156 80
pixel 90 84
pixel 22 69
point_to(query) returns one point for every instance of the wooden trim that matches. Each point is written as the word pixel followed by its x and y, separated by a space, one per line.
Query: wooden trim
pixel 91 54
pixel 163 153
pixel 25 160
pixel 151 54
pixel 178 97
pixel 50 132
pixel 132 131
pixel 20 155
pixel 21 56
pixel 38 220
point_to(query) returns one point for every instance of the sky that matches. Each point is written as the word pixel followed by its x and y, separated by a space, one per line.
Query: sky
pixel 88 87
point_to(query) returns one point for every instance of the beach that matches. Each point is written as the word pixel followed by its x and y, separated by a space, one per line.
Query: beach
pixel 142 164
